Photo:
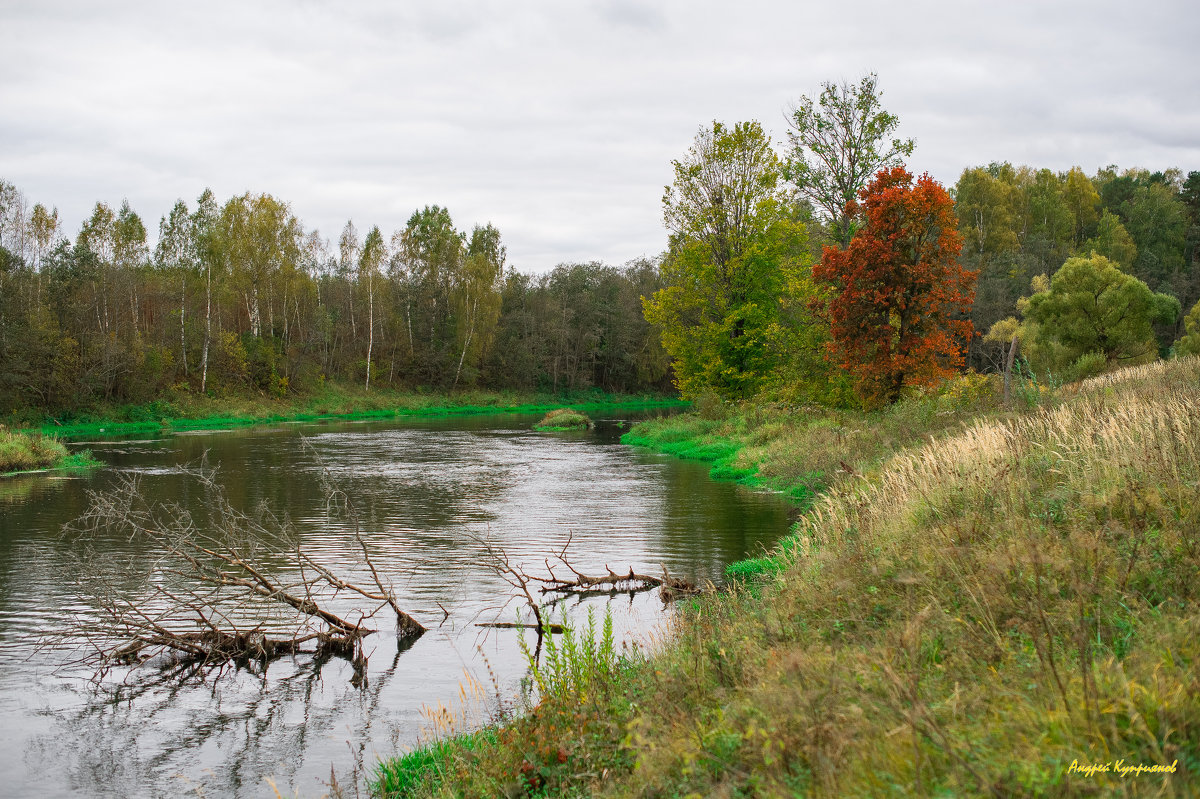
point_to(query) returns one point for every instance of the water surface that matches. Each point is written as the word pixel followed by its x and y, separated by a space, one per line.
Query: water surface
pixel 427 491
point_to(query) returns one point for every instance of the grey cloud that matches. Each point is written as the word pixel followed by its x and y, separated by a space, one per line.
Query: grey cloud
pixel 630 14
pixel 557 121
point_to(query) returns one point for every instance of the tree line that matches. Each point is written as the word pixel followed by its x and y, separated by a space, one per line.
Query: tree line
pixel 824 272
pixel 828 272
pixel 238 296
pixel 1021 226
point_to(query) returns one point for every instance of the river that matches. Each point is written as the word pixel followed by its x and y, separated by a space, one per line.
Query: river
pixel 427 491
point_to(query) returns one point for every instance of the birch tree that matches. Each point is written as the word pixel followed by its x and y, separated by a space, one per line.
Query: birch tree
pixel 205 227
pixel 477 294
pixel 176 252
pixel 374 254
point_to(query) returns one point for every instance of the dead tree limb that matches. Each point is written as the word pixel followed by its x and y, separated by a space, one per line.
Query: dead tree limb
pixel 516 625
pixel 496 560
pixel 631 581
pixel 237 591
pixel 525 584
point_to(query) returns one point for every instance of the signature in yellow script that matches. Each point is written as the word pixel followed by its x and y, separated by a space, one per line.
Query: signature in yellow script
pixel 1120 767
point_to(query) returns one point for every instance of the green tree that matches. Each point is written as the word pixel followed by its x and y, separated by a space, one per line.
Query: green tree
pixel 1048 222
pixel 348 252
pixel 476 297
pixel 1157 220
pixel 44 227
pixel 838 143
pixel 1189 343
pixel 260 239
pixel 1082 200
pixel 175 253
pixel 983 203
pixel 428 259
pixel 14 222
pixel 1092 306
pixel 736 275
pixel 1112 241
pixel 206 232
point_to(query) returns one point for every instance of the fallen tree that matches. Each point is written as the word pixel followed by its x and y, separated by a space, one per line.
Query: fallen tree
pixel 526 584
pixel 611 582
pixel 238 589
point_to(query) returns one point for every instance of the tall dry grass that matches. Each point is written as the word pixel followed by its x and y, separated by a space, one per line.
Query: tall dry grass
pixel 971 619
pixel 997 611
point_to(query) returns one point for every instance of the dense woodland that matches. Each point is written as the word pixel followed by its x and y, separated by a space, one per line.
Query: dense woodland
pixel 1018 223
pixel 240 297
pixel 828 272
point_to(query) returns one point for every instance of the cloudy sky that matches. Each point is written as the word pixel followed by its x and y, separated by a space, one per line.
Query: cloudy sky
pixel 556 121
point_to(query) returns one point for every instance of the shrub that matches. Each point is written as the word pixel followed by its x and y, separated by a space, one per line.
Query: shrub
pixel 564 419
pixel 20 452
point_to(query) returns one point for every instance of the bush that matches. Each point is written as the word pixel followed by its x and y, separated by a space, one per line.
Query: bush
pixel 20 452
pixel 564 419
pixel 1088 365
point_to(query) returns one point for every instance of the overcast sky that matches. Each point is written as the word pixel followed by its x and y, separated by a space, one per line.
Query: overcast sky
pixel 556 121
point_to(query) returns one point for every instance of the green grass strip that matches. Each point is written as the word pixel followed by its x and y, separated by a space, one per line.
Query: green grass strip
pixel 109 427
pixel 401 776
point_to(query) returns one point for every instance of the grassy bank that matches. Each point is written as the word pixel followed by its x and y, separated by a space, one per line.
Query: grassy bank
pixel 186 411
pixel 979 603
pixel 804 450
pixel 20 452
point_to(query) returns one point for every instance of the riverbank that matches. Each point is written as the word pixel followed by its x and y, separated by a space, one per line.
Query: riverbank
pixel 22 453
pixel 185 411
pixel 978 601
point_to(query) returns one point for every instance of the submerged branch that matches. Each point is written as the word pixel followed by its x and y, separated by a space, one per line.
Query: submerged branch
pixel 240 590
pixel 632 582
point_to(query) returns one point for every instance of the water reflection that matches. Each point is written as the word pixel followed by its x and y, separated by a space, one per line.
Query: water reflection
pixel 427 490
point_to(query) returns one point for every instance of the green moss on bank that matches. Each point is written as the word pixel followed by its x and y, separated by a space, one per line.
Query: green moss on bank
pixel 424 766
pixel 334 402
pixel 981 604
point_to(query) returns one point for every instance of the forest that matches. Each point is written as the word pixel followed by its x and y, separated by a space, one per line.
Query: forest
pixel 759 292
pixel 827 272
pixel 238 297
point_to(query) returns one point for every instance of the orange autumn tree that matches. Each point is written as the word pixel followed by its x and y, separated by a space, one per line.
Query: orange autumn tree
pixel 899 288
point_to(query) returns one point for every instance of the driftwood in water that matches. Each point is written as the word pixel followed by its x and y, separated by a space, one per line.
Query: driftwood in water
pixel 238 591
pixel 632 581
pixel 514 625
pixel 496 560
pixel 526 585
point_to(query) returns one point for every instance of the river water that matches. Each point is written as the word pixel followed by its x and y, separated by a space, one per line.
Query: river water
pixel 426 492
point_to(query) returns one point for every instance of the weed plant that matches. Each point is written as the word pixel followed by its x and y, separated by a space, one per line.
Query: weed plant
pixel 580 701
pixel 401 776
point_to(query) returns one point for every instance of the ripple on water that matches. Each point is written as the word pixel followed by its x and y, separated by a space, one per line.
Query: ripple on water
pixel 426 492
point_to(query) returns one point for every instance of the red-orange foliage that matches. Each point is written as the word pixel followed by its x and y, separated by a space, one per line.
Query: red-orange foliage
pixel 898 287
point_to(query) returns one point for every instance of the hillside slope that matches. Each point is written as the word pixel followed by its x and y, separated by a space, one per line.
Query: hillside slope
pixel 1009 608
